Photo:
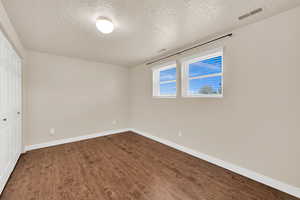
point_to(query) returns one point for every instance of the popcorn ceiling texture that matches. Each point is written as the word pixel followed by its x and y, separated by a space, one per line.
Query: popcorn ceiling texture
pixel 142 27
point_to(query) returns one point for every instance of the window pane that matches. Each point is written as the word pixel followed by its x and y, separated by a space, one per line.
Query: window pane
pixel 209 85
pixel 167 75
pixel 205 67
pixel 168 89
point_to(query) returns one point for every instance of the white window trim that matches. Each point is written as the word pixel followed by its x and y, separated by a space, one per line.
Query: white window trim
pixel 156 83
pixel 185 62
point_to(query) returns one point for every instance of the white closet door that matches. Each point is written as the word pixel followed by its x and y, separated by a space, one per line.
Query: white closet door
pixel 10 107
pixel 4 128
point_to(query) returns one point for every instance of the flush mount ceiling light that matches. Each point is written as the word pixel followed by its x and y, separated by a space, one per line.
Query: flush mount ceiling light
pixel 104 25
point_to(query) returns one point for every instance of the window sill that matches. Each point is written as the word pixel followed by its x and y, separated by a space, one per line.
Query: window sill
pixel 164 97
pixel 204 96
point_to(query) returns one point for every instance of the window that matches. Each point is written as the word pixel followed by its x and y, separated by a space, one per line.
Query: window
pixel 202 76
pixel 164 80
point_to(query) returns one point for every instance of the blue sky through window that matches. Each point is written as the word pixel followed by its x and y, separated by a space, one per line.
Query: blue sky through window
pixel 167 75
pixel 167 82
pixel 204 77
pixel 209 85
pixel 206 67
pixel 206 85
pixel 168 88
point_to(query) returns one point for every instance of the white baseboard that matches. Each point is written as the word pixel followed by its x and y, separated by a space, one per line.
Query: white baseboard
pixel 292 190
pixel 74 139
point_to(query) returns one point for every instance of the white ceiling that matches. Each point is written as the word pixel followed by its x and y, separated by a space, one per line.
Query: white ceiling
pixel 143 27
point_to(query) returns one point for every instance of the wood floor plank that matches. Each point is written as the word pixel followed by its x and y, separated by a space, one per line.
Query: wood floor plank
pixel 127 166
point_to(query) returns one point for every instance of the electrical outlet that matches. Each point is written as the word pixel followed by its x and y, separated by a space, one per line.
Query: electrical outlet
pixel 179 133
pixel 114 122
pixel 52 131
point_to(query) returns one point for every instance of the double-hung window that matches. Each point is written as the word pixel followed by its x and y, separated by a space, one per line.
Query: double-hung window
pixel 164 80
pixel 202 75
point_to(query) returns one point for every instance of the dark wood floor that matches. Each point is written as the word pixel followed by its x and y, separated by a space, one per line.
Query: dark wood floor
pixel 126 167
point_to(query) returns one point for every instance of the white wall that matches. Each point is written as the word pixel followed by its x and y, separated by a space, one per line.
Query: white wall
pixel 9 31
pixel 256 124
pixel 74 96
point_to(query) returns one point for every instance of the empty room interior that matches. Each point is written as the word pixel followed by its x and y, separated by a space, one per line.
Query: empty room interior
pixel 149 100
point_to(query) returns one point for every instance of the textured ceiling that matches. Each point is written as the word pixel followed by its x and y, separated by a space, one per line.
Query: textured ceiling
pixel 143 27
